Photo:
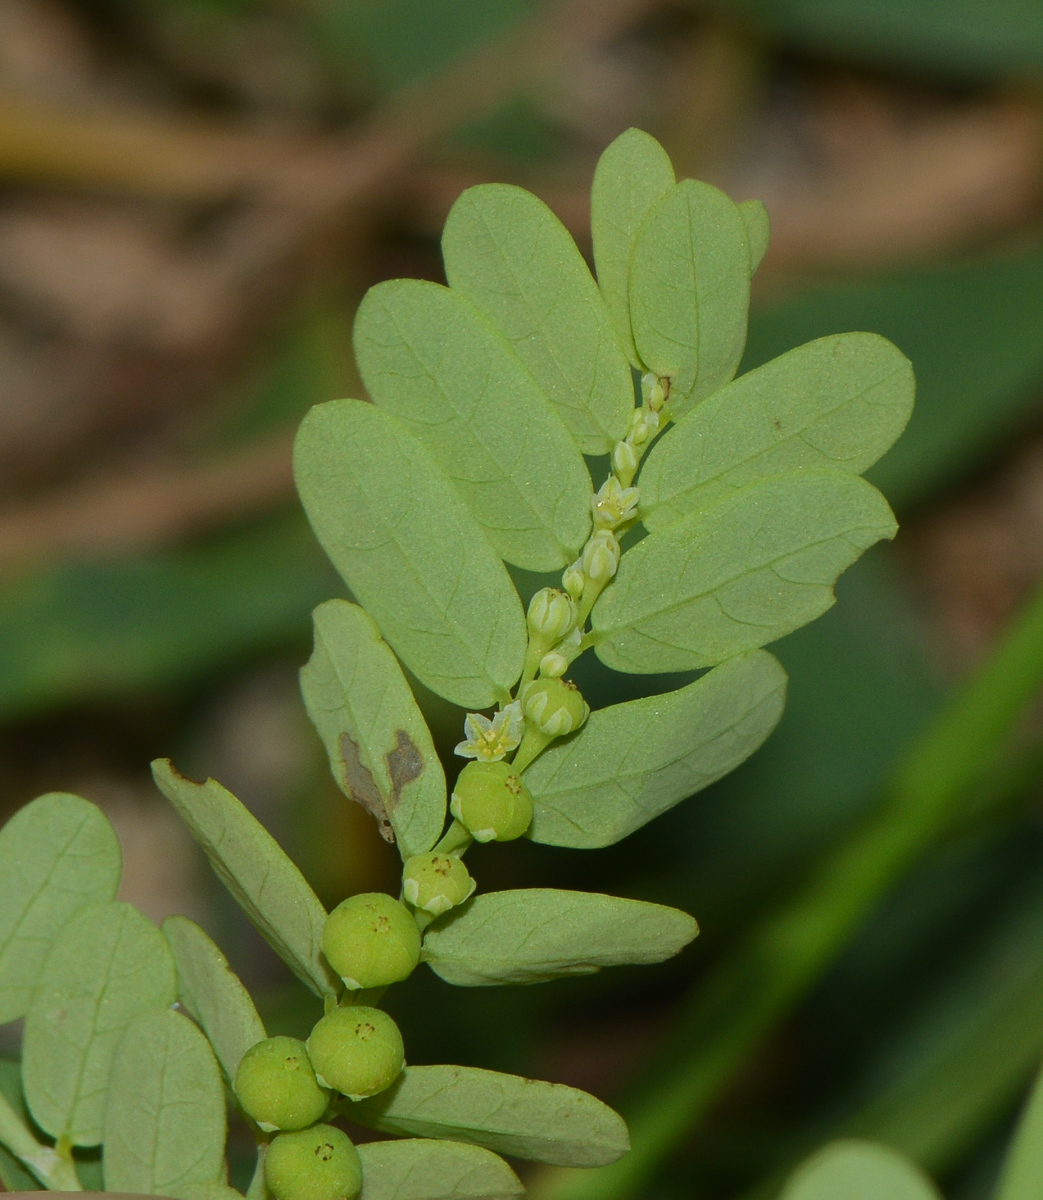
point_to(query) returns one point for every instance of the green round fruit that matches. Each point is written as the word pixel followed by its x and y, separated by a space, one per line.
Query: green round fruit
pixel 371 940
pixel 491 802
pixel 276 1085
pixel 313 1164
pixel 357 1051
pixel 554 706
pixel 436 883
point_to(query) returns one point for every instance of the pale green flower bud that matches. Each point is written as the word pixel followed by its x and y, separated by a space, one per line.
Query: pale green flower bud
pixel 357 1051
pixel 491 802
pixel 572 581
pixel 276 1085
pixel 371 940
pixel 554 664
pixel 315 1164
pixel 654 390
pixel 614 504
pixel 601 556
pixel 555 706
pixel 435 883
pixel 551 615
pixel 624 459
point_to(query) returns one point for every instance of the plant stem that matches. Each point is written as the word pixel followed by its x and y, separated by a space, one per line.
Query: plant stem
pixel 728 1017
pixel 56 1173
pixel 258 1189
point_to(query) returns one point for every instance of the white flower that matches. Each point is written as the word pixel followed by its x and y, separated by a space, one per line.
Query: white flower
pixel 489 741
pixel 614 504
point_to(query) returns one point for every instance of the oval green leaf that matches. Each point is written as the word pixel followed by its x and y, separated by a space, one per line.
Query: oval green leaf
pixel 530 935
pixel 212 994
pixel 430 358
pixel 262 878
pixel 758 230
pixel 739 574
pixel 409 549
pixel 379 746
pixel 165 1122
pixel 632 174
pixel 1022 1175
pixel 108 966
pixel 59 855
pixel 838 403
pixel 857 1170
pixel 526 1118
pixel 633 761
pixel 427 1169
pixel 507 252
pixel 690 291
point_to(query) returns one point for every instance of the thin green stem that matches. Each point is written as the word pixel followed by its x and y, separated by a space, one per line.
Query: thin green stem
pixel 258 1189
pixel 455 840
pixel 56 1172
pixel 728 1017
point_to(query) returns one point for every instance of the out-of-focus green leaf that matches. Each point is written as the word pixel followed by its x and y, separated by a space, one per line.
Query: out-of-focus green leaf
pixel 411 552
pixel 854 1170
pixel 514 259
pixel 739 574
pixel 58 854
pixel 379 746
pixel 430 1169
pixel 838 402
pixel 165 1122
pixel 433 361
pixel 758 230
pixel 13 1175
pixel 633 761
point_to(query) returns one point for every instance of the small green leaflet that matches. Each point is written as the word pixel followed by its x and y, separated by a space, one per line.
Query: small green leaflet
pixel 430 358
pixel 857 1170
pixel 165 1122
pixel 212 994
pixel 632 174
pixel 426 1169
pixel 526 1118
pixel 758 230
pixel 509 254
pixel 1022 1175
pixel 530 935
pixel 739 574
pixel 59 854
pixel 690 291
pixel 108 966
pixel 411 552
pixel 838 402
pixel 633 761
pixel 379 746
pixel 253 866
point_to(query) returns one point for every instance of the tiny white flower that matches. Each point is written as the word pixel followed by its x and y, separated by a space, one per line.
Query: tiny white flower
pixel 614 504
pixel 491 740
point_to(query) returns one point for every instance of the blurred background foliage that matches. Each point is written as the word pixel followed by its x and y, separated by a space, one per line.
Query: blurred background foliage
pixel 194 194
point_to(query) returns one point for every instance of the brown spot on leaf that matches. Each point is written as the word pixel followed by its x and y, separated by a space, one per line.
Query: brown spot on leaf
pixel 361 787
pixel 405 763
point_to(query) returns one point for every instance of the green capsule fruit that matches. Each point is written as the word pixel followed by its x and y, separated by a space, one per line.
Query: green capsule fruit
pixel 357 1051
pixel 276 1085
pixel 313 1164
pixel 436 883
pixel 554 706
pixel 491 802
pixel 371 940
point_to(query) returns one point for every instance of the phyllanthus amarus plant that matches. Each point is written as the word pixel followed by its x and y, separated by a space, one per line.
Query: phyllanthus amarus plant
pixel 486 396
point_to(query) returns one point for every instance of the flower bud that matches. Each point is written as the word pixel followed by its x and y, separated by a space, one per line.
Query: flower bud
pixel 555 706
pixel 624 459
pixel 654 390
pixel 551 615
pixel 601 556
pixel 436 883
pixel 491 802
pixel 357 1051
pixel 276 1085
pixel 572 581
pixel 554 664
pixel 371 940
pixel 315 1164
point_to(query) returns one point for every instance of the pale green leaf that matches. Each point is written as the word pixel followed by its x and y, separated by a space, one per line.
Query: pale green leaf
pixel 838 402
pixel 212 994
pixel 857 1170
pixel 1022 1175
pixel 690 291
pixel 165 1122
pixel 631 175
pixel 59 854
pixel 633 761
pixel 432 360
pixel 108 966
pixel 428 1169
pixel 758 230
pixel 507 252
pixel 739 574
pixel 526 1118
pixel 257 871
pixel 379 746
pixel 411 552
pixel 530 935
